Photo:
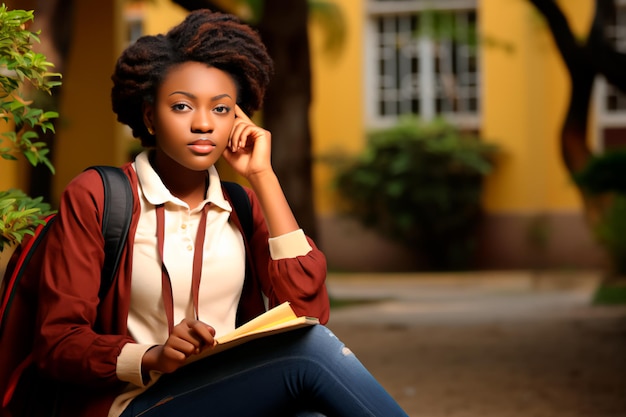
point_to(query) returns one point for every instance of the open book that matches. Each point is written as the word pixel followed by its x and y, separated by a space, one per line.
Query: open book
pixel 279 319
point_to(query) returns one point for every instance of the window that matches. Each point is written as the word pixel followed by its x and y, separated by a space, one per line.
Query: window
pixel 134 21
pixel 423 59
pixel 611 103
pixel 135 30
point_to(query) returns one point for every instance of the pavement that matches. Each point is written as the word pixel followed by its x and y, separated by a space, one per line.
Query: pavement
pixel 455 298
pixel 487 343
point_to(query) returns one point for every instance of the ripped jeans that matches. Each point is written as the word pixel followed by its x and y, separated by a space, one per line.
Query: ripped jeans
pixel 304 372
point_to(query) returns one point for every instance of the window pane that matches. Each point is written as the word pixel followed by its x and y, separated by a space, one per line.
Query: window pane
pixel 427 63
pixel 615 100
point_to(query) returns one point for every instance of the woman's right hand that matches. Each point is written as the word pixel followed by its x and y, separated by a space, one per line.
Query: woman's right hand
pixel 188 338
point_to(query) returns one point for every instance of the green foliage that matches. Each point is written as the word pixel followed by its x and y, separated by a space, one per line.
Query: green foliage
pixel 610 295
pixel 442 25
pixel 421 184
pixel 325 13
pixel 611 232
pixel 605 174
pixel 20 64
pixel 19 215
pixel 330 17
pixel 21 68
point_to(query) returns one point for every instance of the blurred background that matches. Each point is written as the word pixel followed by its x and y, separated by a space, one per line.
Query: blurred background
pixel 409 135
pixel 460 162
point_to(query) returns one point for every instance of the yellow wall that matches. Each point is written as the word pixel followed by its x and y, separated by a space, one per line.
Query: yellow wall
pixel 85 130
pixel 87 133
pixel 337 109
pixel 161 15
pixel 525 95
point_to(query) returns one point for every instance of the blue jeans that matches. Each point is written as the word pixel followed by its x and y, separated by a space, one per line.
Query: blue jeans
pixel 302 372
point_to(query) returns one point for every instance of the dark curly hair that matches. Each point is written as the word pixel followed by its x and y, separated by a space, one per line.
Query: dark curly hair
pixel 216 39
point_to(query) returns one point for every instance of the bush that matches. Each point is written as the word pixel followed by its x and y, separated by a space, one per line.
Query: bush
pixel 421 184
pixel 21 67
pixel 604 175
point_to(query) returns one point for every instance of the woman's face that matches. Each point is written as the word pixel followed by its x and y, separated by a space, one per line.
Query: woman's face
pixel 193 115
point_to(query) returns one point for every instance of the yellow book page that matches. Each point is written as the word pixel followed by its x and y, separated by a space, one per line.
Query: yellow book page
pixel 279 319
pixel 279 314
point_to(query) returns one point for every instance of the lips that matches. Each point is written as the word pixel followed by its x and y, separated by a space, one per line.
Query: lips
pixel 202 146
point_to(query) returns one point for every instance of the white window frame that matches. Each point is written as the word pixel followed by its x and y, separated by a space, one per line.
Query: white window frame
pixel 606 118
pixel 376 9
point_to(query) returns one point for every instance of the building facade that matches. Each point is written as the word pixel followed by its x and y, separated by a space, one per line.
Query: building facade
pixel 489 66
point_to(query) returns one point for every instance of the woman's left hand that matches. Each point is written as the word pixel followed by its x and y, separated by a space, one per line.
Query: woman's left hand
pixel 249 147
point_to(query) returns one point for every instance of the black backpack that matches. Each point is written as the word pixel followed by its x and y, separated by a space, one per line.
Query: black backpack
pixel 118 204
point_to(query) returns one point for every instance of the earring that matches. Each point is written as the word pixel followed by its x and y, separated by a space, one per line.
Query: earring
pixel 150 131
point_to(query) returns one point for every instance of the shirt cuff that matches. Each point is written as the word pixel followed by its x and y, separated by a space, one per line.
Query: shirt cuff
pixel 289 245
pixel 128 366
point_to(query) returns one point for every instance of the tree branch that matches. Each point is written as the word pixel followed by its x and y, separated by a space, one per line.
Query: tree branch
pixel 571 51
pixel 578 60
pixel 192 5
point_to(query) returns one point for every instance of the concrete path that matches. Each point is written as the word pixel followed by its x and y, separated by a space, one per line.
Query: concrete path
pixel 486 344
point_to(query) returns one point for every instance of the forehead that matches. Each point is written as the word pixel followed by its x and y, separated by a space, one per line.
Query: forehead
pixel 197 78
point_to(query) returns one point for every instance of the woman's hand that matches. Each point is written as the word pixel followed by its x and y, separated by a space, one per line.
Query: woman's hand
pixel 189 337
pixel 249 153
pixel 249 147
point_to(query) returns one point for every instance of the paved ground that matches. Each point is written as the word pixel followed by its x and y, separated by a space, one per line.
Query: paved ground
pixel 487 344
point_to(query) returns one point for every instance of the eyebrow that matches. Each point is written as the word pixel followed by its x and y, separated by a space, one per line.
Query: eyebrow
pixel 217 97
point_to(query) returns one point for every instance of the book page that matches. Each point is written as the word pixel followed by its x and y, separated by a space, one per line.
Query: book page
pixel 279 319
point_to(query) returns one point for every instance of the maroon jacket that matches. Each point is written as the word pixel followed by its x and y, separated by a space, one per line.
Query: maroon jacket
pixel 81 336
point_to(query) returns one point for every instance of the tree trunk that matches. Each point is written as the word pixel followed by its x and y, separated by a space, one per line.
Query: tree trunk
pixel 584 61
pixel 55 18
pixel 283 28
pixel 574 141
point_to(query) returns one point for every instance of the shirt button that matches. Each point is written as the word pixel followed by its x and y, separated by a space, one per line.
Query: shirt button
pixel 189 247
pixel 183 226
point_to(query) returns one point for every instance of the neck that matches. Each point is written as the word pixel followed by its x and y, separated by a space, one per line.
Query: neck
pixel 188 185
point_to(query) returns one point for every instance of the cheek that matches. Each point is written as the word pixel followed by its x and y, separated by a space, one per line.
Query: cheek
pixel 228 127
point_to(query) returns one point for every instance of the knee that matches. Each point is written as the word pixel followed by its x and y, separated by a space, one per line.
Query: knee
pixel 321 340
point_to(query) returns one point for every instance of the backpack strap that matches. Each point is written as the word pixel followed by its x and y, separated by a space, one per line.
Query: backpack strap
pixel 118 207
pixel 17 266
pixel 242 206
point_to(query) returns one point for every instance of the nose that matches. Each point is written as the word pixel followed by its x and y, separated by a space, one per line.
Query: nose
pixel 202 122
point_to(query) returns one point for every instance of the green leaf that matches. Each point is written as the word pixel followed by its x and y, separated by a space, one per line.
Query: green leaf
pixel 21 65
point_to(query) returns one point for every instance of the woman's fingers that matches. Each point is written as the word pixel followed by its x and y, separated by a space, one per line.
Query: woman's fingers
pixel 239 136
pixel 205 334
pixel 240 114
pixel 191 336
pixel 244 132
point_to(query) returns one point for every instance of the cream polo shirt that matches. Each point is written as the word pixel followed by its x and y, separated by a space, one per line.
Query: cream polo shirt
pixel 222 274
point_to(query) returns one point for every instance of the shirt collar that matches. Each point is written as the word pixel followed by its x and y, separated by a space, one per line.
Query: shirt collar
pixel 156 192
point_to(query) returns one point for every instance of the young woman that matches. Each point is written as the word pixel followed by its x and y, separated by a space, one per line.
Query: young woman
pixel 188 274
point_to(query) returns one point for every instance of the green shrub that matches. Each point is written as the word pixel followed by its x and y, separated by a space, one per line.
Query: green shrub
pixel 19 215
pixel 21 67
pixel 605 174
pixel 421 184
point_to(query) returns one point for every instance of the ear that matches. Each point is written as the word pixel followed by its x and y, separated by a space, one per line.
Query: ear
pixel 148 115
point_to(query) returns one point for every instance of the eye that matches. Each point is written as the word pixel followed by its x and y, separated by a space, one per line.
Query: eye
pixel 180 107
pixel 222 109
